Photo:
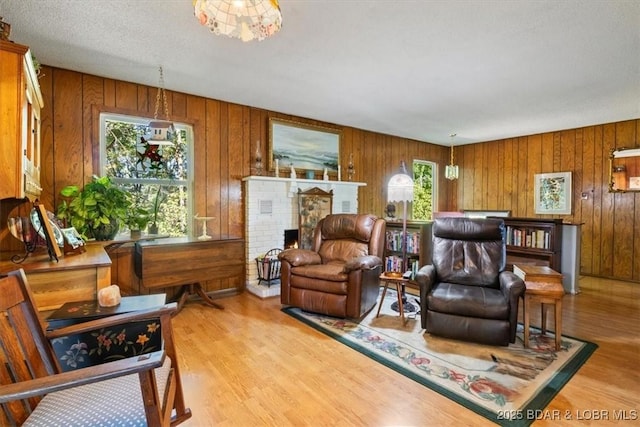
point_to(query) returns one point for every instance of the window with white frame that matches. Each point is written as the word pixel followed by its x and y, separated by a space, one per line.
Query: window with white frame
pixel 424 190
pixel 156 174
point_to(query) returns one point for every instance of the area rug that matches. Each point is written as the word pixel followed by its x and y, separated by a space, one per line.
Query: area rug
pixel 508 385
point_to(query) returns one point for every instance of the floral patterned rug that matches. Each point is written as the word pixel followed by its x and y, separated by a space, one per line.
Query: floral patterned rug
pixel 508 385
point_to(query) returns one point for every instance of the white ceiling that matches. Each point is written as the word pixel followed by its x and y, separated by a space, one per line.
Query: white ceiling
pixel 485 70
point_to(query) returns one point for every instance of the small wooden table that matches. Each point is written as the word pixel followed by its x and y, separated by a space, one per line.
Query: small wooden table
pixel 399 282
pixel 544 285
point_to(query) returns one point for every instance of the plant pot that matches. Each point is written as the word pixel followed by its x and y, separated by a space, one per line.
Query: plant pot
pixel 136 234
pixel 106 231
pixel 153 229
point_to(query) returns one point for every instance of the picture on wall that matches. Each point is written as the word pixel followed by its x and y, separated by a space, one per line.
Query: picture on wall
pixel 305 147
pixel 553 193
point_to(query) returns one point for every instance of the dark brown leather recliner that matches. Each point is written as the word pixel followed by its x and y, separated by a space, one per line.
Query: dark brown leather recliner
pixel 339 275
pixel 466 293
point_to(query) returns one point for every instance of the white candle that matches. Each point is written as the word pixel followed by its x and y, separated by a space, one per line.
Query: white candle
pixel 277 168
pixel 339 174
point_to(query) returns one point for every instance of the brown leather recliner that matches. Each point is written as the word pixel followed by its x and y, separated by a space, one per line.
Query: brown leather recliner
pixel 466 293
pixel 339 275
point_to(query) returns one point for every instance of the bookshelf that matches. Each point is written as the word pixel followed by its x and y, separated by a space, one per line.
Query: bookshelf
pixel 534 241
pixel 418 245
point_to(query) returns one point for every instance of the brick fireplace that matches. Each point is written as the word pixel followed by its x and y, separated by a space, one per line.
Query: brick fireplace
pixel 272 207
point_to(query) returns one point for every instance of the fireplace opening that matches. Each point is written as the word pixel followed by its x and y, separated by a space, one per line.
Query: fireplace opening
pixel 291 238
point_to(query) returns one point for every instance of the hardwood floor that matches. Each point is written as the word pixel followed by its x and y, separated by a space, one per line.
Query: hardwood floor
pixel 250 365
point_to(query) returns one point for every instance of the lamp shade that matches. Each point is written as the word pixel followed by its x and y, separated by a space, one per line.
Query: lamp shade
pixel 451 172
pixel 400 188
pixel 243 19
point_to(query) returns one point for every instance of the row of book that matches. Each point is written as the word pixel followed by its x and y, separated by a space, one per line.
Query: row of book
pixel 394 263
pixel 528 237
pixel 394 241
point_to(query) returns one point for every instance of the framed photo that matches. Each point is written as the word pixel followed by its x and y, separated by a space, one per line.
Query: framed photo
pixel 72 237
pixel 306 147
pixel 48 230
pixel 313 205
pixel 553 193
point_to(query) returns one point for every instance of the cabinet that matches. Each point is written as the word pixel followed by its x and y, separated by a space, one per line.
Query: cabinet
pixel 534 241
pixel 73 278
pixel 20 105
pixel 178 261
pixel 418 245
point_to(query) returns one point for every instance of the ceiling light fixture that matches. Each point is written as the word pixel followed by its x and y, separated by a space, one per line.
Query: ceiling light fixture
pixel 161 130
pixel 243 19
pixel 451 170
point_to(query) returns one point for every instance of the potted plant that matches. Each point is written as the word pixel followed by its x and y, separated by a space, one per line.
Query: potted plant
pixel 137 220
pixel 161 196
pixel 96 211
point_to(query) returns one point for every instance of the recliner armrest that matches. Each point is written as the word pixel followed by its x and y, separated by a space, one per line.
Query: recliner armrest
pixel 298 257
pixel 510 284
pixel 366 262
pixel 425 277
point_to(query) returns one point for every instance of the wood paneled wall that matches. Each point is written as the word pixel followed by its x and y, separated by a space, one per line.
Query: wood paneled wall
pixel 225 136
pixel 500 175
pixel 493 175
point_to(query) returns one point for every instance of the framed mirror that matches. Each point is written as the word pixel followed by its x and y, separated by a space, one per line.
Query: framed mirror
pixel 624 170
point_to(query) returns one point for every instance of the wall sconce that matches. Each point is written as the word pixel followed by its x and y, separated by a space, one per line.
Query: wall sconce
pixel 451 170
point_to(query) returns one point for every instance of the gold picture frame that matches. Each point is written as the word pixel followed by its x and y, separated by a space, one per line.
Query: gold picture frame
pixel 303 146
pixel 313 205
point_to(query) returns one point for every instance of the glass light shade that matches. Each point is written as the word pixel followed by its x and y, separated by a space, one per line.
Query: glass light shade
pixel 400 188
pixel 451 172
pixel 243 19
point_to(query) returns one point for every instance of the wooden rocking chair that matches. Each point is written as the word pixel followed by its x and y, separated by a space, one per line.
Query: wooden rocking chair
pixel 143 390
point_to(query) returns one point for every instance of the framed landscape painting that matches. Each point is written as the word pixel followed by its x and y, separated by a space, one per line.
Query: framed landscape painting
pixel 305 147
pixel 553 193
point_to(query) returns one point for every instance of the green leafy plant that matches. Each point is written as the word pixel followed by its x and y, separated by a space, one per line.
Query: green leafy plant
pixel 161 197
pixel 137 218
pixel 96 211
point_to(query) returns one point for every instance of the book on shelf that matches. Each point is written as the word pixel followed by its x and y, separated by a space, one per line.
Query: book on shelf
pixel 528 238
pixel 394 263
pixel 394 241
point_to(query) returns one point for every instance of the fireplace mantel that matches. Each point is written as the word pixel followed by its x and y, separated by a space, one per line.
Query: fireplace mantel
pixel 271 206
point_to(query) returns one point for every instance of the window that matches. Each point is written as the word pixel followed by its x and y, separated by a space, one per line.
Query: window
pixel 157 176
pixel 424 190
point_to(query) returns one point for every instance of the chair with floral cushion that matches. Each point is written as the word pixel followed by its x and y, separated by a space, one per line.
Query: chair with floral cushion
pixel 136 391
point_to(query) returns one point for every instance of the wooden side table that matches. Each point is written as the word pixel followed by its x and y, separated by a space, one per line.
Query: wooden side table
pixel 544 293
pixel 399 282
